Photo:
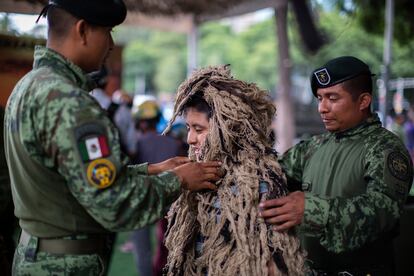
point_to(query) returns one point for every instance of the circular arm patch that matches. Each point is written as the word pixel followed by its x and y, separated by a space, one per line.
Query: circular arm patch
pixel 101 173
pixel 399 166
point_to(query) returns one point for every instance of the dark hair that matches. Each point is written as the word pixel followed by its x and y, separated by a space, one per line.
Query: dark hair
pixel 59 22
pixel 198 103
pixel 358 85
pixel 147 123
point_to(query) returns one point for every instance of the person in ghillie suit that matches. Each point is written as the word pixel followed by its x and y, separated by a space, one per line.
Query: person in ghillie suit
pixel 220 233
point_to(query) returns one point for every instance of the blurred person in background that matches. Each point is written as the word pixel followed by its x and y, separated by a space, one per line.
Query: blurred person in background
pixel 151 147
pixel 118 106
pixel 409 131
pixel 397 125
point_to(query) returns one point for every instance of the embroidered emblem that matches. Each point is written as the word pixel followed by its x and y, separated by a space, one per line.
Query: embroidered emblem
pixel 322 76
pixel 92 148
pixel 101 173
pixel 398 165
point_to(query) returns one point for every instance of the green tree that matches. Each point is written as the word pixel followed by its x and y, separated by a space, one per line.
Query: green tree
pixel 252 53
pixel 370 15
pixel 6 24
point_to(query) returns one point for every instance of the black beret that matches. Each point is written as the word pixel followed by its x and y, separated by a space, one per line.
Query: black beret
pixel 106 13
pixel 336 71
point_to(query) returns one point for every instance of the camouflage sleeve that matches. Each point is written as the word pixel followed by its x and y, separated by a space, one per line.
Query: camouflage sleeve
pixel 82 144
pixel 292 163
pixel 344 224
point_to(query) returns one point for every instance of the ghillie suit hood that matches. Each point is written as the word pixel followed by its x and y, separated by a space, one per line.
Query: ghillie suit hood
pixel 235 240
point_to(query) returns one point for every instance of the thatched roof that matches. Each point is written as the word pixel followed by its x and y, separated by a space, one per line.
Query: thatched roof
pixel 181 15
pixel 196 8
pixel 173 7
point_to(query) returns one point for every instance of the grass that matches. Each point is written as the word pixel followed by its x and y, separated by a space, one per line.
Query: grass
pixel 122 263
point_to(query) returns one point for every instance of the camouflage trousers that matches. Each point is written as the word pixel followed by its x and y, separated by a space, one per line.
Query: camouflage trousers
pixel 27 261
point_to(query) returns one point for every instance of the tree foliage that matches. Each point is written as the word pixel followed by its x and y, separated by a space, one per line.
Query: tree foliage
pixel 371 13
pixel 252 53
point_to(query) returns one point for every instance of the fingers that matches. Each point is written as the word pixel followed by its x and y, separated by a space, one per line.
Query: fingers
pixel 211 164
pixel 279 219
pixel 284 226
pixel 208 185
pixel 211 177
pixel 272 203
pixel 210 170
pixel 181 160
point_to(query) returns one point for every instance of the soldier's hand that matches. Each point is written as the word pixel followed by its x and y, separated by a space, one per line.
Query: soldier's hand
pixel 166 165
pixel 195 176
pixel 284 212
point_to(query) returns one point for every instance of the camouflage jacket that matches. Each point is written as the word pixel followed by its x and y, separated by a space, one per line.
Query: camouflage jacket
pixel 68 174
pixel 355 185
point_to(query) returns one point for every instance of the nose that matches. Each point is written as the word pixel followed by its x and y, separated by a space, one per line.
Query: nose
pixel 191 137
pixel 323 106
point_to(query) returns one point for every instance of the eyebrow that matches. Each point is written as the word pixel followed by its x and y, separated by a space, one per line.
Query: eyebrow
pixel 195 125
pixel 327 94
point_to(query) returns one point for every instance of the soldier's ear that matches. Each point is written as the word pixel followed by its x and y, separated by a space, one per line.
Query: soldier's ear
pixel 81 30
pixel 365 100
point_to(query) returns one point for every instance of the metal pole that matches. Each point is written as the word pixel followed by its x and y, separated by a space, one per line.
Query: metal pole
pixel 385 68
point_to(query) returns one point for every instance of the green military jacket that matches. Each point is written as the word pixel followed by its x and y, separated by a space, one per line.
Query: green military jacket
pixel 67 172
pixel 355 185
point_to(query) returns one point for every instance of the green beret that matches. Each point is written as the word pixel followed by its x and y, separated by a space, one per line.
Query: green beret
pixel 106 13
pixel 336 71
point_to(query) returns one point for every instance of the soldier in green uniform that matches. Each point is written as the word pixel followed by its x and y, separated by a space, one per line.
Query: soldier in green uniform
pixel 354 179
pixel 70 182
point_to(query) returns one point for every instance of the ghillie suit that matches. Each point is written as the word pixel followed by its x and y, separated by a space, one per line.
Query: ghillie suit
pixel 234 239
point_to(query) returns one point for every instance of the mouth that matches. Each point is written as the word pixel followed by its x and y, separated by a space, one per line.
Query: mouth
pixel 327 120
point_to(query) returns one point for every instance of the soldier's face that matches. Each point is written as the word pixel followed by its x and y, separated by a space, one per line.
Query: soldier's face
pixel 337 108
pixel 198 127
pixel 100 46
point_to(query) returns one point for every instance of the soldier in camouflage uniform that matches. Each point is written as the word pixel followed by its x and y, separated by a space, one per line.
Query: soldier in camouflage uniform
pixel 70 182
pixel 354 179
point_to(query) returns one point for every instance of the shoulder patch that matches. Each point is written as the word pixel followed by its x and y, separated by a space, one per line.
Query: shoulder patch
pixel 101 173
pixel 92 142
pixel 399 166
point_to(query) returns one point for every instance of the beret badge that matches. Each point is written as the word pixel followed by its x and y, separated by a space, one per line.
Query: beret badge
pixel 322 76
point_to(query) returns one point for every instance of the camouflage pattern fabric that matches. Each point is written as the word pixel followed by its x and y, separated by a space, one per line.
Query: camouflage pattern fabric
pixel 355 185
pixel 59 189
pixel 29 263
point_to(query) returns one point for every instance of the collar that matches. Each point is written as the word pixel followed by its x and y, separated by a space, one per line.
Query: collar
pixel 370 123
pixel 46 57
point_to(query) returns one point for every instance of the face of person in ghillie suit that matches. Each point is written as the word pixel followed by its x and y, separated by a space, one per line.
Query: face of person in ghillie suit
pixel 219 232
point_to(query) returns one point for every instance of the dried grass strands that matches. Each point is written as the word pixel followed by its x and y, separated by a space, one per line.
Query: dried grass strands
pixel 236 241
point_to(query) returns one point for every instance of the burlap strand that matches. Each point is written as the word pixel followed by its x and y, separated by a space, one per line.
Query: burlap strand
pixel 239 242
